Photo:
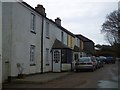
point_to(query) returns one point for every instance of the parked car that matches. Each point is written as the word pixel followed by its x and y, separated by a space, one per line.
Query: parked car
pixel 85 63
pixel 95 61
pixel 103 59
pixel 114 60
pixel 100 62
pixel 110 60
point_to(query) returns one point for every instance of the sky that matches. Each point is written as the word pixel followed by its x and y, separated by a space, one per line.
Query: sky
pixel 79 16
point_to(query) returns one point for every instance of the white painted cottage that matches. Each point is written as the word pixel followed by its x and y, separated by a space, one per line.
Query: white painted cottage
pixel 22 28
pixel 56 38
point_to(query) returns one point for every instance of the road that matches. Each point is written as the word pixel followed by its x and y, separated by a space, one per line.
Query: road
pixel 106 77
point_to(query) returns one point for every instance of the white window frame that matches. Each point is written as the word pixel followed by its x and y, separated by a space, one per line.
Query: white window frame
pixel 33 24
pixel 47 30
pixel 47 56
pixel 32 55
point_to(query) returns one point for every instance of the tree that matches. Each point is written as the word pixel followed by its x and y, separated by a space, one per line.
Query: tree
pixel 111 27
pixel 105 50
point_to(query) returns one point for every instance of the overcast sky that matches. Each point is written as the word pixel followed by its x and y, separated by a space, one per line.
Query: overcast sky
pixel 80 16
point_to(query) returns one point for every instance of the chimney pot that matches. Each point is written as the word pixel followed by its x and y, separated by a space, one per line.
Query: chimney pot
pixel 58 21
pixel 40 9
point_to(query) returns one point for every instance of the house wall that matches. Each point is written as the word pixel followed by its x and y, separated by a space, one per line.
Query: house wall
pixel 0 45
pixel 6 28
pixel 70 44
pixel 66 67
pixel 81 44
pixel 71 41
pixel 77 42
pixel 65 38
pixel 54 33
pixel 18 38
pixel 89 47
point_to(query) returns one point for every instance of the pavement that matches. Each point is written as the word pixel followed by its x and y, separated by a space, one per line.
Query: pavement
pixel 41 78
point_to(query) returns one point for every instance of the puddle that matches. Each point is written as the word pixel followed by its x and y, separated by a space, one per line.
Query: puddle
pixel 107 84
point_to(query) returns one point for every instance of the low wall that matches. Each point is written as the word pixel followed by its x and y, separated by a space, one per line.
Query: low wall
pixel 66 67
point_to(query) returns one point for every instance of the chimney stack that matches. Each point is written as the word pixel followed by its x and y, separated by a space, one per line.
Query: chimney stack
pixel 40 9
pixel 58 21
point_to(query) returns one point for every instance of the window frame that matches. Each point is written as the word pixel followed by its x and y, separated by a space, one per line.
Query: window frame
pixel 62 37
pixel 76 56
pixel 33 23
pixel 47 31
pixel 47 56
pixel 32 55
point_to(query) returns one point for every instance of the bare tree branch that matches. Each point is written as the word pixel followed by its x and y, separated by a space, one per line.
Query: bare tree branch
pixel 111 27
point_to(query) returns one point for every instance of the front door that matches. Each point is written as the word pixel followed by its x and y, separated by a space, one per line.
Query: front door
pixel 56 60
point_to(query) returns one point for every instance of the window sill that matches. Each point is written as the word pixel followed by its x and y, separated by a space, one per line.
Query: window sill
pixel 47 64
pixel 47 37
pixel 33 32
pixel 32 64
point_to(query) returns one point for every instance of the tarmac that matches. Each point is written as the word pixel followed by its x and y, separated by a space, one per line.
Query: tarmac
pixel 40 78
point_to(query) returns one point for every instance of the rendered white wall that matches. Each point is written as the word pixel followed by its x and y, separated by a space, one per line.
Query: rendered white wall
pixel 6 34
pixel 22 38
pixel 54 33
pixel 0 45
pixel 18 38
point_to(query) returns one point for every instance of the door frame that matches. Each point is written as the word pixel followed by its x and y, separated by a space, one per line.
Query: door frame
pixel 61 59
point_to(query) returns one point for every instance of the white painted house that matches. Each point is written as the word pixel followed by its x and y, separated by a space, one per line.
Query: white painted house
pixel 22 28
pixel 0 45
pixel 35 43
pixel 53 34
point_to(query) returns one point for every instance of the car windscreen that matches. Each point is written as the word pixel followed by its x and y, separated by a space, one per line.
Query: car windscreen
pixel 84 60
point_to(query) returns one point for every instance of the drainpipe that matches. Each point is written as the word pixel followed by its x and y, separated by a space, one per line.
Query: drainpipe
pixel 42 45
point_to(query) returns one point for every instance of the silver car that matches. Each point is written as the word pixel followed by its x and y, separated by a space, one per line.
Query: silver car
pixel 85 63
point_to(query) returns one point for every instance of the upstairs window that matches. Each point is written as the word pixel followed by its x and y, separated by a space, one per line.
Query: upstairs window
pixel 33 23
pixel 78 42
pixel 62 37
pixel 32 55
pixel 47 30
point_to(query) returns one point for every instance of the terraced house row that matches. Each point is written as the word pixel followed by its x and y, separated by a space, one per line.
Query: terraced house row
pixel 33 43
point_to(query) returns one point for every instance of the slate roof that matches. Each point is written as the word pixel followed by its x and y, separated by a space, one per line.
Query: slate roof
pixel 83 38
pixel 59 45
